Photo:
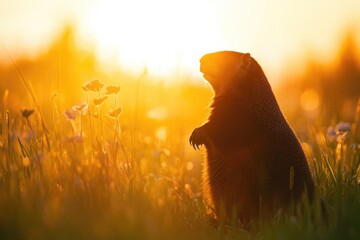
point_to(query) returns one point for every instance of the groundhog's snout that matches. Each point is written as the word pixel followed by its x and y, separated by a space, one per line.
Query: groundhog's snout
pixel 207 66
pixel 211 65
pixel 219 64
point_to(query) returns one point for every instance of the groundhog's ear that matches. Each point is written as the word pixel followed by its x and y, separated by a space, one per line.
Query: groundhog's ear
pixel 245 62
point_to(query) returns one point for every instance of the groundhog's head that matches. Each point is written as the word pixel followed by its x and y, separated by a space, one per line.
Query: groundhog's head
pixel 223 69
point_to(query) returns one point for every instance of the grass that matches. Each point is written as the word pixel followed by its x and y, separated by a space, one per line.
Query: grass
pixel 95 172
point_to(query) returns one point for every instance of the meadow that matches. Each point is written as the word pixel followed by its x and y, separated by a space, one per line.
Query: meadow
pixel 110 159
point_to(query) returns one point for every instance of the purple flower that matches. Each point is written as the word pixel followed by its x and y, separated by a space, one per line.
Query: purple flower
pixel 70 114
pixel 343 127
pixel 331 134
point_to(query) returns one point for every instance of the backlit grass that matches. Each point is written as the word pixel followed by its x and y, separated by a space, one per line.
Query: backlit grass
pixel 101 170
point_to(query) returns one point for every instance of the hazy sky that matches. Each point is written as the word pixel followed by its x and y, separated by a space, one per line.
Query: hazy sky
pixel 170 35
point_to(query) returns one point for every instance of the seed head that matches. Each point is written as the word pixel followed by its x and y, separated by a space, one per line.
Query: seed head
pixel 27 112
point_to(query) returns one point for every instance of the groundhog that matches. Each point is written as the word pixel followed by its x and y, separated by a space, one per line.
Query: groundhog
pixel 255 165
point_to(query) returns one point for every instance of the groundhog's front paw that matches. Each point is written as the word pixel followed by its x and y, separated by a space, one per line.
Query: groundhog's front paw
pixel 197 137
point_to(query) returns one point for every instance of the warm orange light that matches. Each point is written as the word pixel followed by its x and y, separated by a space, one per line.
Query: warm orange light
pixel 162 36
pixel 310 100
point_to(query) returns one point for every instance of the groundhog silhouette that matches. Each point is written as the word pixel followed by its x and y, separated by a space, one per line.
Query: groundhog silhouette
pixel 255 165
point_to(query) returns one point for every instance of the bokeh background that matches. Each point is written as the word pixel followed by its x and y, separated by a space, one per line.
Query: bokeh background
pixel 308 48
pixel 98 100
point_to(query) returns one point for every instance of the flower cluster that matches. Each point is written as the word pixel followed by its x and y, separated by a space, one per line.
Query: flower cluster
pixel 96 86
pixel 340 133
pixel 93 108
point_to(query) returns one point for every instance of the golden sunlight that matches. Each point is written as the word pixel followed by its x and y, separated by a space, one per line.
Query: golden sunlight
pixel 161 36
pixel 169 37
pixel 102 104
pixel 310 100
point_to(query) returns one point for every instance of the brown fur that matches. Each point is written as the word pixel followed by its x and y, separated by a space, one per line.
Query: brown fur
pixel 255 164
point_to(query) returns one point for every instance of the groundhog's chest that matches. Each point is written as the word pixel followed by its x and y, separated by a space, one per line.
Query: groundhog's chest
pixel 239 172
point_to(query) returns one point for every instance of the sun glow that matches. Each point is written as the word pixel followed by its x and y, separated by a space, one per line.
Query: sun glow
pixel 162 36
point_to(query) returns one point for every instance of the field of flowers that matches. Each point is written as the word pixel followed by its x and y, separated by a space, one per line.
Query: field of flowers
pixel 110 159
